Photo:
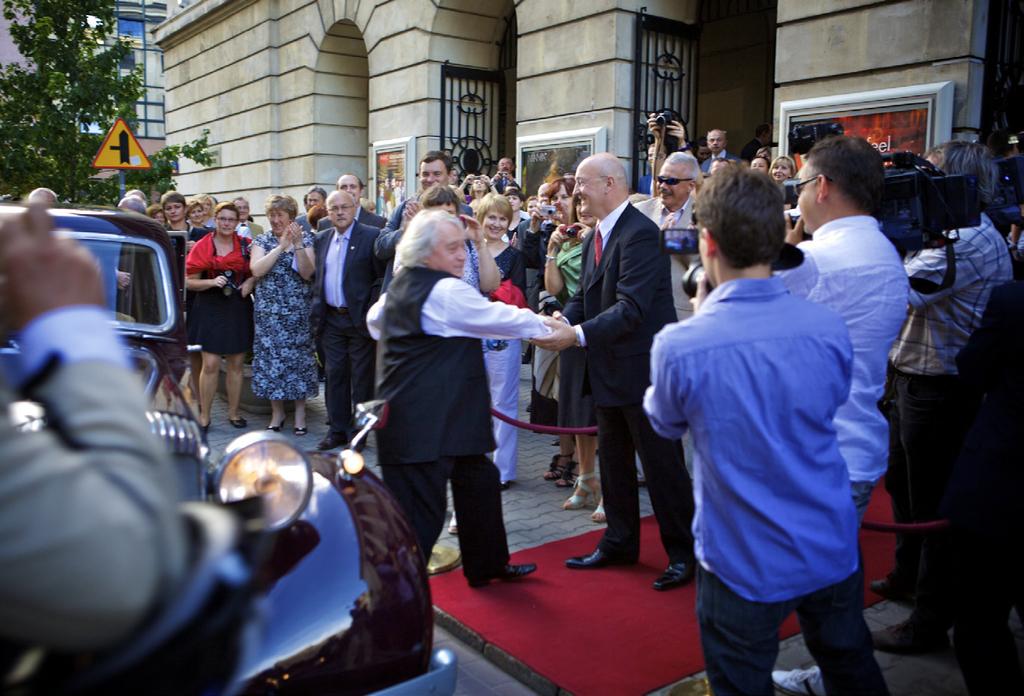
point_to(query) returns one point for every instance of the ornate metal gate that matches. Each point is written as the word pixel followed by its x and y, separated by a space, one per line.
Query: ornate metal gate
pixel 471 121
pixel 665 76
pixel 1003 97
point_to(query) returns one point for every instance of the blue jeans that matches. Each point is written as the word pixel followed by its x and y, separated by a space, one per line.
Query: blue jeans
pixel 740 637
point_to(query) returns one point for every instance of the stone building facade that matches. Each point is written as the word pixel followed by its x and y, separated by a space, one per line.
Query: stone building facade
pixel 294 92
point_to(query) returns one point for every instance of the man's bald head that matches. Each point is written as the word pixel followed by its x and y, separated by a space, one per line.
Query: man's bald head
pixel 42 196
pixel 601 181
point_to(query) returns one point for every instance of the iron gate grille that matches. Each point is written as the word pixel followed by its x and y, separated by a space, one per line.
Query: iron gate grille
pixel 471 117
pixel 1003 99
pixel 665 77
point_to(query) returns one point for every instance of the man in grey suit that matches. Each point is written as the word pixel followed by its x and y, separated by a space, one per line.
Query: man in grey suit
pixel 717 141
pixel 352 184
pixel 92 539
pixel 674 208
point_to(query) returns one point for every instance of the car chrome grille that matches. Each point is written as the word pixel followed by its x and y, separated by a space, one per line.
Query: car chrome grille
pixel 182 435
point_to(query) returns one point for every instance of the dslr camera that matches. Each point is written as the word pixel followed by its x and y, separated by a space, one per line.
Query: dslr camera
pixel 663 119
pixel 231 287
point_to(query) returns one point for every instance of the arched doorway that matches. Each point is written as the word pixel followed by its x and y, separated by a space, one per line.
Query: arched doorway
pixel 340 107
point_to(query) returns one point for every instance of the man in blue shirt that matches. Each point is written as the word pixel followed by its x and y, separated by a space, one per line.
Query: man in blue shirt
pixel 756 376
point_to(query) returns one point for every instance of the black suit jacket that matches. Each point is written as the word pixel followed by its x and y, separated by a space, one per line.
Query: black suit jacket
pixel 621 303
pixel 361 277
pixel 987 484
pixel 365 218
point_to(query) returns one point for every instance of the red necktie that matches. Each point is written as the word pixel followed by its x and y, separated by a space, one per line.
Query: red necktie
pixel 597 244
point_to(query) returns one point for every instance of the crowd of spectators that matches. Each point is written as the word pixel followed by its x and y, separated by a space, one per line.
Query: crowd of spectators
pixel 864 366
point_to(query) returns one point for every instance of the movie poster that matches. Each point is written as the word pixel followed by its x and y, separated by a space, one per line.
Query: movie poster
pixel 541 162
pixel 390 182
pixel 898 130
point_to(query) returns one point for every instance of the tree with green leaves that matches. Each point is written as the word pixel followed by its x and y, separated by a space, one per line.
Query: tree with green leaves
pixel 69 83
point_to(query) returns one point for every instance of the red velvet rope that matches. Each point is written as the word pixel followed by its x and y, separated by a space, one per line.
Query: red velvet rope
pixel 915 528
pixel 544 429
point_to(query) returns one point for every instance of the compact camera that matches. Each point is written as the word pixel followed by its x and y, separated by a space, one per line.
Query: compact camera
pixel 548 210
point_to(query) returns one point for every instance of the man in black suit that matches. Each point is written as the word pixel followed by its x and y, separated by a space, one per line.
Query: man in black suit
pixel 346 283
pixel 352 184
pixel 983 501
pixel 624 298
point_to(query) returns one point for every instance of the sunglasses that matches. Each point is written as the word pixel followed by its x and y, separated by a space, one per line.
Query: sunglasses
pixel 671 180
pixel 799 186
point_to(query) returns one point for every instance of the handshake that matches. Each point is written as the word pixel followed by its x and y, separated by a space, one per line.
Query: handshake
pixel 562 335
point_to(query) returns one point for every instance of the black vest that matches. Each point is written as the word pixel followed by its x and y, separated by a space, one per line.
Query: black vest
pixel 436 387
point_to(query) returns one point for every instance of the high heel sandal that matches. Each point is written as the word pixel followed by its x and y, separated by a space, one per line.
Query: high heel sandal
pixel 598 515
pixel 556 470
pixel 577 501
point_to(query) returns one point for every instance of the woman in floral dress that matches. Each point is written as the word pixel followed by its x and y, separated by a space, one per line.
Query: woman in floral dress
pixel 284 365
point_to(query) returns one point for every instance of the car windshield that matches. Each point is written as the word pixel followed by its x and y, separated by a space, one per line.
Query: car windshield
pixel 133 280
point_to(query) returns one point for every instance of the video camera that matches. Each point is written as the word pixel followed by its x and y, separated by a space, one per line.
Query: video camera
pixel 919 202
pixel 1008 193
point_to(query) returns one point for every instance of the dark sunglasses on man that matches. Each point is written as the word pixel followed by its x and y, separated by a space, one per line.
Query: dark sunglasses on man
pixel 671 180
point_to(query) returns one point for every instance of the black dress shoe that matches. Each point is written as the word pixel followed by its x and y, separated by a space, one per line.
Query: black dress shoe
pixel 676 575
pixel 909 638
pixel 331 441
pixel 891 587
pixel 596 559
pixel 509 572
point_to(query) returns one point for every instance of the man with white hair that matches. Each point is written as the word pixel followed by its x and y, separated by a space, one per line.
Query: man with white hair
pixel 133 204
pixel 42 196
pixel 673 207
pixel 429 324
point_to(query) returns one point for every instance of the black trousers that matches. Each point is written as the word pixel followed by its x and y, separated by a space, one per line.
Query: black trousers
pixel 929 417
pixel 350 356
pixel 421 491
pixel 621 433
pixel 989 581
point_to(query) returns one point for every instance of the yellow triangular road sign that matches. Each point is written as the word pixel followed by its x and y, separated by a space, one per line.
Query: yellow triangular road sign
pixel 120 150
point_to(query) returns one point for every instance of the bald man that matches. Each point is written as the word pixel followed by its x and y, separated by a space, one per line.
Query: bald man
pixel 42 196
pixel 624 298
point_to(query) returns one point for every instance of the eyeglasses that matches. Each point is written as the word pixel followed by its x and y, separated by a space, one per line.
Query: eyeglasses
pixel 339 208
pixel 226 220
pixel 671 180
pixel 799 186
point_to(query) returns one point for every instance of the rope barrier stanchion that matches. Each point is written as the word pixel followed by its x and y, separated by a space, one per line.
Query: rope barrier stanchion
pixel 914 528
pixel 544 429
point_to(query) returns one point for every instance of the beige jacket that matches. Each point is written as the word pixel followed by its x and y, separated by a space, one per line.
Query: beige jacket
pixel 654 210
pixel 90 538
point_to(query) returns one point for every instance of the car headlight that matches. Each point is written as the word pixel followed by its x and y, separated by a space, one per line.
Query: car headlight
pixel 269 466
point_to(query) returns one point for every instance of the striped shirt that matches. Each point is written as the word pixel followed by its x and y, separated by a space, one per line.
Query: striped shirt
pixel 939 324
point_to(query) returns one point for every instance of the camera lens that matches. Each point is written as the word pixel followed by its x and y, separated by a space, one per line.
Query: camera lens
pixel 691 280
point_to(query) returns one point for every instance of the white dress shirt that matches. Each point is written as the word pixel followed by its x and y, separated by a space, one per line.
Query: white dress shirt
pixel 455 308
pixel 604 228
pixel 850 267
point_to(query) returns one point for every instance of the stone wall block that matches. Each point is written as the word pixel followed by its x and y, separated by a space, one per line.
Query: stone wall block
pixel 409 48
pixel 477 54
pixel 536 15
pixel 593 88
pixel 421 81
pixel 584 42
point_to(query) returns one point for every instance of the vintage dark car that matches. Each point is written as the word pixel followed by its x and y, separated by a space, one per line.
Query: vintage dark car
pixel 347 607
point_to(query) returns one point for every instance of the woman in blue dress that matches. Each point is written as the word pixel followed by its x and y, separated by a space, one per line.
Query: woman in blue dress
pixel 284 365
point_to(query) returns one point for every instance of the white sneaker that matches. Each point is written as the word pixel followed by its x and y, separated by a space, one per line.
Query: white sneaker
pixel 799 682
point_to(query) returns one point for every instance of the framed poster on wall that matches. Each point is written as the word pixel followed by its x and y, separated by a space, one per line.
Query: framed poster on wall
pixel 555 153
pixel 392 173
pixel 913 118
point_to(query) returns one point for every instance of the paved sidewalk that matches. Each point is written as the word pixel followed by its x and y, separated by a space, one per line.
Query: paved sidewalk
pixel 534 516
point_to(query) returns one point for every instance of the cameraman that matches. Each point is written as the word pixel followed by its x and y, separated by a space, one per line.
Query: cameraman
pixel 850 267
pixel 932 409
pixel 764 550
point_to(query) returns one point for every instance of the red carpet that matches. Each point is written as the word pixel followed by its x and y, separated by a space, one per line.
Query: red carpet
pixel 607 631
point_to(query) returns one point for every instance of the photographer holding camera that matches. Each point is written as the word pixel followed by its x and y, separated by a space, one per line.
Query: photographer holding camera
pixel 931 409
pixel 763 550
pixel 666 134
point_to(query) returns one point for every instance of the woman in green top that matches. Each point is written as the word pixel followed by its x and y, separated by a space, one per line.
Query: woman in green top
pixel 562 268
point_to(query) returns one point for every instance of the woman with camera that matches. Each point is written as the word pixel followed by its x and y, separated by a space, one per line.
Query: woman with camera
pixel 562 269
pixel 217 272
pixel 284 357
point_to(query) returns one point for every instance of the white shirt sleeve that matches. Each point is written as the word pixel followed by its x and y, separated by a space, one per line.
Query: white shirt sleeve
pixel 453 308
pixel 374 316
pixel 76 333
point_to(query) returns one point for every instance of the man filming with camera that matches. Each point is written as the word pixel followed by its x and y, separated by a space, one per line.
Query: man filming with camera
pixel 775 527
pixel 931 409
